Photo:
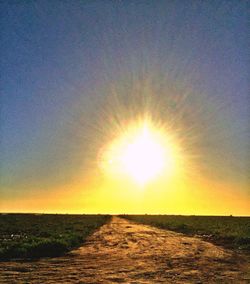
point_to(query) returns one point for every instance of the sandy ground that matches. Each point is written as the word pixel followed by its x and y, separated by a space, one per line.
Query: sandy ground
pixel 125 252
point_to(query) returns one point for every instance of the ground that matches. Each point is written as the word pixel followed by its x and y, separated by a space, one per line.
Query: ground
pixel 125 252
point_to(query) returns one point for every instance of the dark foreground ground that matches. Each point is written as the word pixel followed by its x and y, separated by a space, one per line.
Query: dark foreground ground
pixel 122 251
pixel 32 236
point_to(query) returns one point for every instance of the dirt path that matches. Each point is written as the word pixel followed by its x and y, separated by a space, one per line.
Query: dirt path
pixel 125 252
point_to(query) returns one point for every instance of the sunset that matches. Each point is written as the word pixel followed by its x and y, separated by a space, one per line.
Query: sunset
pixel 126 112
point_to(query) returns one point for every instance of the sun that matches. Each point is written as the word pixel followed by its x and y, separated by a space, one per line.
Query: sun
pixel 142 153
pixel 144 157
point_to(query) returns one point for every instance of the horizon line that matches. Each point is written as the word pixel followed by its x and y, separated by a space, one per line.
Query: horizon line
pixel 115 214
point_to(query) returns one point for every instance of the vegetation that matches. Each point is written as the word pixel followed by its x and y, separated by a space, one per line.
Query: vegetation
pixel 38 235
pixel 229 231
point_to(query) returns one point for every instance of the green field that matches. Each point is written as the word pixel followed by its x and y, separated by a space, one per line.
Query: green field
pixel 229 231
pixel 30 236
pixel 33 235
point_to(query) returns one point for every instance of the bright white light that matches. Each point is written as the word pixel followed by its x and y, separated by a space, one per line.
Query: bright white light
pixel 143 158
pixel 143 154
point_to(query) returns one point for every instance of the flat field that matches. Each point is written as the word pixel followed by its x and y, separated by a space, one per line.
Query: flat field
pixel 38 235
pixel 229 231
pixel 123 251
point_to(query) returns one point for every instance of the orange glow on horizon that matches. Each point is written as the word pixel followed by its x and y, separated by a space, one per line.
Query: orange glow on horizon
pixel 111 197
pixel 147 176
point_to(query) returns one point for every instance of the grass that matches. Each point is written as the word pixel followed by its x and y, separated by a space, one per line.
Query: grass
pixel 229 231
pixel 34 235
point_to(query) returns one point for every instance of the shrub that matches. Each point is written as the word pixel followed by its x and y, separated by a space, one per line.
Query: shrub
pixel 46 247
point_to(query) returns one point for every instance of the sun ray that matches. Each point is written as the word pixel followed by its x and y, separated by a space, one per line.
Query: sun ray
pixel 142 154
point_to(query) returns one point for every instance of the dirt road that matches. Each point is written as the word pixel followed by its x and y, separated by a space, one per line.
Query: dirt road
pixel 125 252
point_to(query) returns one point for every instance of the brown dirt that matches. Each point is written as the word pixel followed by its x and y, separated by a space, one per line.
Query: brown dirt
pixel 126 252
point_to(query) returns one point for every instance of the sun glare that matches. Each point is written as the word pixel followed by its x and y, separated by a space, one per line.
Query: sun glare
pixel 143 158
pixel 142 154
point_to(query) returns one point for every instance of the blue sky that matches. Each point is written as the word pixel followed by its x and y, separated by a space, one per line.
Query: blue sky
pixel 55 55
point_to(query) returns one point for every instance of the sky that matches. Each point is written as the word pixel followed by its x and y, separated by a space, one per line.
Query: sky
pixel 75 74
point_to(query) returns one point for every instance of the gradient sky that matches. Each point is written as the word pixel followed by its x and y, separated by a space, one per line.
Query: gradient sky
pixel 61 59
